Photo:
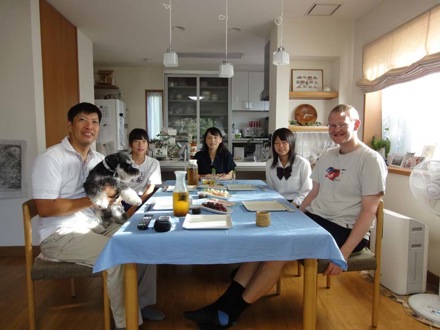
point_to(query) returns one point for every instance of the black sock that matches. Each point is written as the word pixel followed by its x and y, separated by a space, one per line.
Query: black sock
pixel 234 291
pixel 232 302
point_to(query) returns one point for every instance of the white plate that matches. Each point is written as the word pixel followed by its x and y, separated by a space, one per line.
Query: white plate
pixel 217 196
pixel 205 186
pixel 228 210
pixel 207 221
pixel 266 206
pixel 241 187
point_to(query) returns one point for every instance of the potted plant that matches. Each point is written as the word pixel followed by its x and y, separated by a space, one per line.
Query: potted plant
pixel 381 145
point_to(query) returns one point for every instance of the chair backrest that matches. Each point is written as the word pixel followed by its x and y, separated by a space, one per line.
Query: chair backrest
pixel 29 212
pixel 379 234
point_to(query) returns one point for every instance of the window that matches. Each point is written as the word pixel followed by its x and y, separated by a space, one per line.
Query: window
pixel 154 112
pixel 411 115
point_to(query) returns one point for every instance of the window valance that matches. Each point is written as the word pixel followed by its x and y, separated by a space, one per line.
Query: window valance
pixel 406 53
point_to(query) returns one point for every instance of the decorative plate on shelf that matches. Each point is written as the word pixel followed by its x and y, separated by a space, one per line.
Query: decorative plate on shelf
pixel 305 114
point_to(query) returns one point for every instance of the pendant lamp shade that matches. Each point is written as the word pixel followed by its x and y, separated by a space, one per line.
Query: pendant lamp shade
pixel 170 58
pixel 280 57
pixel 226 70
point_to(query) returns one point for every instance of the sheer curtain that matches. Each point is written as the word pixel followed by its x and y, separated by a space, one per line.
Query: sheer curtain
pixel 410 115
pixel 154 113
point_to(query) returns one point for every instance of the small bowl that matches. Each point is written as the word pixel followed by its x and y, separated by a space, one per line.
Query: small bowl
pixel 196 210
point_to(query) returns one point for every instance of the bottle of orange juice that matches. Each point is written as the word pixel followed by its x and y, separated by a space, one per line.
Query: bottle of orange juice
pixel 180 195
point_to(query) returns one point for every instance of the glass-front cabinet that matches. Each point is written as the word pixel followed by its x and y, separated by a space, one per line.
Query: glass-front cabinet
pixel 195 103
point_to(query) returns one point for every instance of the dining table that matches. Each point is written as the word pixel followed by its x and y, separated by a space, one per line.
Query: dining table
pixel 291 235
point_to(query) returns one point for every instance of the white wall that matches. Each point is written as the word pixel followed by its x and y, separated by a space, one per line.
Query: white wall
pixel 313 43
pixel 85 67
pixel 21 99
pixel 132 83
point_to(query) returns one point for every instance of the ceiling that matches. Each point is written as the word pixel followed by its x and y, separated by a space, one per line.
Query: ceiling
pixel 136 32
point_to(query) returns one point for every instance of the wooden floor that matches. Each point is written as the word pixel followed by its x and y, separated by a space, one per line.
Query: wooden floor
pixel 347 305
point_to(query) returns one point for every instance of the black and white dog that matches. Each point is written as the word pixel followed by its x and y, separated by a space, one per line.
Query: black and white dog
pixel 114 171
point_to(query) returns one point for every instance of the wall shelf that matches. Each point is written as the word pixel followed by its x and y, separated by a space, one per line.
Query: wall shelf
pixel 298 128
pixel 313 95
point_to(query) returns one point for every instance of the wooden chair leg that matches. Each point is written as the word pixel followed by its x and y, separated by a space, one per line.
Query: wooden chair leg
pixel 72 288
pixel 329 281
pixel 106 302
pixel 31 304
pixel 298 273
pixel 278 287
pixel 376 297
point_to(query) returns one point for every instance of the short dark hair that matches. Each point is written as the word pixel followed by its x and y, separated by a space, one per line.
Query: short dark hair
pixel 83 107
pixel 138 134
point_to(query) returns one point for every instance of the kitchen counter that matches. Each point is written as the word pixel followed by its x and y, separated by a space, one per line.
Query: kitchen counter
pixel 174 165
pixel 245 170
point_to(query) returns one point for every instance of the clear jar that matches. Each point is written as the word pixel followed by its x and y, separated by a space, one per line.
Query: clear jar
pixel 193 172
pixel 180 195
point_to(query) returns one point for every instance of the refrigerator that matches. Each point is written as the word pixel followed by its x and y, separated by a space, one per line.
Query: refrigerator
pixel 113 132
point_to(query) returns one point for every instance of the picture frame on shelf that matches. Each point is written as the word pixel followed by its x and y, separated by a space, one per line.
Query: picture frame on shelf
pixel 306 80
pixel 409 161
pixel 428 151
pixel 397 160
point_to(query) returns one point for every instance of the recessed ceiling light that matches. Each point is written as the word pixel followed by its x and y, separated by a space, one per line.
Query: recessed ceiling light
pixel 178 28
pixel 148 60
pixel 234 29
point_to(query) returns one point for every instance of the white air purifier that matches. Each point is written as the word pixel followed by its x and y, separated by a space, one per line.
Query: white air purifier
pixel 404 263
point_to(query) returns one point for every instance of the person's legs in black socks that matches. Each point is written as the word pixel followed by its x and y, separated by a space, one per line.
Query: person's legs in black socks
pixel 226 302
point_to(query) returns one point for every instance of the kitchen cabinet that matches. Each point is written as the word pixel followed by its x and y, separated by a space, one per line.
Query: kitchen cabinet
pixel 246 91
pixel 195 102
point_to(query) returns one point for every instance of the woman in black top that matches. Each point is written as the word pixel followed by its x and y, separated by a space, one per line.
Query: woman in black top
pixel 214 155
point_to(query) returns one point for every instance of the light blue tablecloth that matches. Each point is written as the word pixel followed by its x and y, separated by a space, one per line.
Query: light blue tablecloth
pixel 290 236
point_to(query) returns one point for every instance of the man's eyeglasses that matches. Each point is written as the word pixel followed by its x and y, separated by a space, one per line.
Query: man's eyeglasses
pixel 340 125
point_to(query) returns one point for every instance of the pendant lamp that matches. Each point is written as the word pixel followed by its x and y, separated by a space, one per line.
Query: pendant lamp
pixel 170 58
pixel 280 56
pixel 226 69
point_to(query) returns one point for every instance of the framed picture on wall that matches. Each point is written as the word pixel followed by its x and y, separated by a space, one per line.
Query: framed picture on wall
pixel 12 175
pixel 305 80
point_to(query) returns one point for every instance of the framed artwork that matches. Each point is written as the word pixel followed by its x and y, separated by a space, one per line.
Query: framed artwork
pixel 397 160
pixel 306 80
pixel 428 151
pixel 12 155
pixel 409 161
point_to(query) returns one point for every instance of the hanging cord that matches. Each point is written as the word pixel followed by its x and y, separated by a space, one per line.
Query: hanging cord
pixel 225 17
pixel 279 22
pixel 170 8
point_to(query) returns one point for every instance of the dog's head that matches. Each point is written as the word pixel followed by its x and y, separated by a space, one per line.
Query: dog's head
pixel 121 165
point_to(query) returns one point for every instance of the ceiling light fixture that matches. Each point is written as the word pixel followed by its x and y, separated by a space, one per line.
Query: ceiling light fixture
pixel 226 70
pixel 280 56
pixel 170 58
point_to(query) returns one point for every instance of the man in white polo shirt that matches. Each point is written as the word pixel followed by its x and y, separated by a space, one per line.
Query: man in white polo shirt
pixel 67 225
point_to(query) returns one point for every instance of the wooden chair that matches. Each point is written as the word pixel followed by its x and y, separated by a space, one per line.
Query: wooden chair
pixel 50 270
pixel 363 260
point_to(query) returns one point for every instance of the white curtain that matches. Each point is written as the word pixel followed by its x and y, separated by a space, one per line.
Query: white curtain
pixel 154 114
pixel 410 51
